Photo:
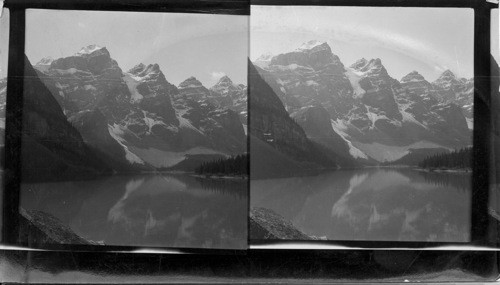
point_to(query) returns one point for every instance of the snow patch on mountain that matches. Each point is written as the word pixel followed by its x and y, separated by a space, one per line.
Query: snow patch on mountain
pixel 373 116
pixel 150 121
pixel 71 71
pixel 264 60
pixel 309 45
pixel 45 61
pixel 132 84
pixel 89 87
pixel 339 127
pixel 44 64
pixel 354 78
pixel 292 66
pixel 312 83
pixel 470 123
pixel 116 132
pixel 89 49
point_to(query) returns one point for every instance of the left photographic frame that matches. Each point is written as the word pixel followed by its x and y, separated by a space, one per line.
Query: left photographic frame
pixel 134 130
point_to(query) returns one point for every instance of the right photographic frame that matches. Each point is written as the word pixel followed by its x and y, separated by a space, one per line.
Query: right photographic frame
pixel 361 124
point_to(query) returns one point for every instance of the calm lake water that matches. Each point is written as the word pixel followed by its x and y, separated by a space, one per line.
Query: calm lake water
pixel 372 204
pixel 148 210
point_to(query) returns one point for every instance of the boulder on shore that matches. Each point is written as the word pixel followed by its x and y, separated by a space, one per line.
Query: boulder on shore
pixel 37 228
pixel 267 224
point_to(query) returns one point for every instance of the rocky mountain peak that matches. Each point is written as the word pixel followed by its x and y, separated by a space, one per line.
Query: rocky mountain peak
pixel 447 80
pixel 413 76
pixel 225 85
pixel 225 80
pixel 376 62
pixel 447 74
pixel 313 45
pixel 142 70
pixel 92 50
pixel 191 82
pixel 359 63
pixel 154 67
pixel 369 67
pixel 45 61
pixel 265 57
pixel 314 54
pixel 137 69
pixel 264 60
pixel 92 58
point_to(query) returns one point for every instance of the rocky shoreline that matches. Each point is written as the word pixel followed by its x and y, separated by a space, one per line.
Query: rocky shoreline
pixel 267 224
pixel 37 229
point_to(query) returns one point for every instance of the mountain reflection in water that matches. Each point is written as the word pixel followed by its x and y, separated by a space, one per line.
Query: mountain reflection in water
pixel 148 210
pixel 372 204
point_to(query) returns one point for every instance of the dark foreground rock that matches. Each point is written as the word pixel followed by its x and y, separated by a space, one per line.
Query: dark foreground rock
pixel 267 224
pixel 38 228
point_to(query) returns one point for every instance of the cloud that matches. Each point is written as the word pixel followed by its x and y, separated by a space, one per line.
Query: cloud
pixel 216 75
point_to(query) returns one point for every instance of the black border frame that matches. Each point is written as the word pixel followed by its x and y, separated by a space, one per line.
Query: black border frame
pixel 483 230
pixel 14 111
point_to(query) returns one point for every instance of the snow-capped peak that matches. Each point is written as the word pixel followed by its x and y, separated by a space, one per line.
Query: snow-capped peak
pixel 89 49
pixel 360 63
pixel 310 45
pixel 265 57
pixel 364 66
pixel 137 67
pixel 142 70
pixel 45 61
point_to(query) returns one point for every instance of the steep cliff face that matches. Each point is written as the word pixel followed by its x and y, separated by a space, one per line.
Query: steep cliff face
pixel 316 123
pixel 270 121
pixel 276 139
pixel 51 147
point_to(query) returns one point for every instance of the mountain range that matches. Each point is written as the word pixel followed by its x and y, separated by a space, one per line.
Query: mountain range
pixel 309 112
pixel 360 110
pixel 131 120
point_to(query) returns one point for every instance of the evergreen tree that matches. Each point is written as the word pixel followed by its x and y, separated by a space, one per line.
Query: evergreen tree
pixel 457 159
pixel 234 165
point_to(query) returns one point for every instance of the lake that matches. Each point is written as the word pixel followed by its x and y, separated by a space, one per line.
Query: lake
pixel 378 204
pixel 148 210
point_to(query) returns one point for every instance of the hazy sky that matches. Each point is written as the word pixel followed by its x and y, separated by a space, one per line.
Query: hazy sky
pixel 4 42
pixel 184 45
pixel 429 40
